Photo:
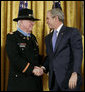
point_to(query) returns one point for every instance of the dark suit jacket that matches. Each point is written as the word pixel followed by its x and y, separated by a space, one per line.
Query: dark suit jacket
pixel 67 57
pixel 20 51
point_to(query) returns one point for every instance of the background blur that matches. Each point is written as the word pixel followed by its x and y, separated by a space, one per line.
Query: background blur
pixel 74 17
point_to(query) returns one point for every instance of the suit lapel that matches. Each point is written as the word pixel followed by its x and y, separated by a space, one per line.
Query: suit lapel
pixel 51 47
pixel 60 36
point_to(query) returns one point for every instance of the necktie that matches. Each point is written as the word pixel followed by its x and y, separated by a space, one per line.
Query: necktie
pixel 54 38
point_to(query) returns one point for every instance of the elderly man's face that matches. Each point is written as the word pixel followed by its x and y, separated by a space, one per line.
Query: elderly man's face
pixel 28 25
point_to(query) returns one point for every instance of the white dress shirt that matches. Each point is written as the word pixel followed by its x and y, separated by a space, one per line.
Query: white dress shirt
pixel 58 29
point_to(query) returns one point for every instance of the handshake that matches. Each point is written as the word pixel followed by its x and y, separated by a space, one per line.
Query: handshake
pixel 38 71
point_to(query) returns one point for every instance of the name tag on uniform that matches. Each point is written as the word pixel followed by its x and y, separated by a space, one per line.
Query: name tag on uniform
pixel 22 45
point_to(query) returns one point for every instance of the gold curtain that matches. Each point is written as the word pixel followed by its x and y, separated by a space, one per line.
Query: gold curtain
pixel 74 17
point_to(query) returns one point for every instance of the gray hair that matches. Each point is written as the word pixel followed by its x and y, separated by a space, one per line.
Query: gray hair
pixel 57 12
pixel 18 23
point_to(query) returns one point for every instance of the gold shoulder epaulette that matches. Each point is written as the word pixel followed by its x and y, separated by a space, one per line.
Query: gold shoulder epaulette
pixel 11 33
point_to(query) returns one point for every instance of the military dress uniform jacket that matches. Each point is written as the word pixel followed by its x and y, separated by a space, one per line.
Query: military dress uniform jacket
pixel 22 50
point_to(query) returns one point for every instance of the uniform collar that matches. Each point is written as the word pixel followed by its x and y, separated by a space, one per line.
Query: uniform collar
pixel 24 33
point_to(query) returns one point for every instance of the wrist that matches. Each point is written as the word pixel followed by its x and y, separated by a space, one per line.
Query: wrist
pixel 74 73
pixel 43 68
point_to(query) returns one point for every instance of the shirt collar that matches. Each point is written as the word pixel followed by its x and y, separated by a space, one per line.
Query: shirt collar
pixel 24 33
pixel 59 28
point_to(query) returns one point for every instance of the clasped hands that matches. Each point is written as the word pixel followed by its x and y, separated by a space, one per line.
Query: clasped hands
pixel 38 71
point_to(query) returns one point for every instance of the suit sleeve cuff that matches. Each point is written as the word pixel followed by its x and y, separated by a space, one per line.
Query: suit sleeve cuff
pixel 44 69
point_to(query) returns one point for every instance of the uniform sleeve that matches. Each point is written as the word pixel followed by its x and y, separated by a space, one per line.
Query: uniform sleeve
pixel 14 57
pixel 76 46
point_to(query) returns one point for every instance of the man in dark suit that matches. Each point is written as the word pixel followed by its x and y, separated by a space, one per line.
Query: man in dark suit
pixel 64 54
pixel 23 53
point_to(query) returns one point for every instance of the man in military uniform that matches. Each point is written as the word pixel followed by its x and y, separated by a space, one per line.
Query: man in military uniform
pixel 23 52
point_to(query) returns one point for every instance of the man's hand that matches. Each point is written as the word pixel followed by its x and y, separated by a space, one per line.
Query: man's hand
pixel 38 71
pixel 73 80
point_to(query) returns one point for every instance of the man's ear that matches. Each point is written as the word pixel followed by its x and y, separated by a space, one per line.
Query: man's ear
pixel 56 18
